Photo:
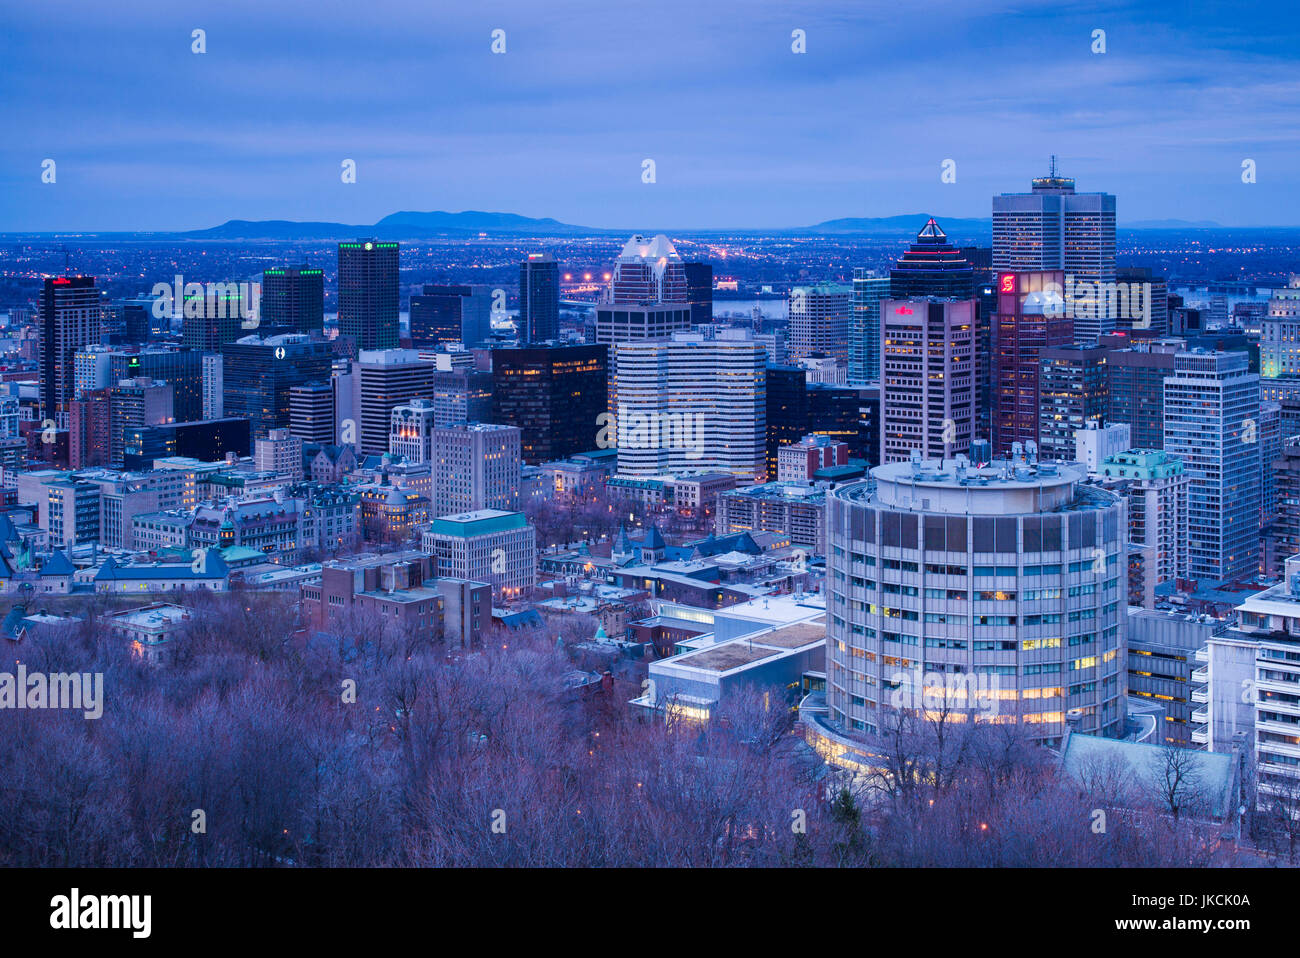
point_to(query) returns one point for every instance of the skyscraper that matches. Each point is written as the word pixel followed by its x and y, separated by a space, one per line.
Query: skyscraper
pixel 819 320
pixel 311 412
pixel 368 293
pixel 183 368
pixel 1071 393
pixel 1211 415
pixel 1005 582
pixel 293 299
pixel 539 298
pixel 384 379
pixel 690 403
pixel 554 394
pixel 258 372
pixel 1030 318
pixel 932 267
pixel 445 314
pixel 648 271
pixel 1135 386
pixel 928 377
pixel 864 326
pixel 1054 228
pixel 475 466
pixel 70 319
pixel 699 292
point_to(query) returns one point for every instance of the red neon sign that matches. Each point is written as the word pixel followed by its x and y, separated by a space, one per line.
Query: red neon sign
pixel 903 310
pixel 1008 281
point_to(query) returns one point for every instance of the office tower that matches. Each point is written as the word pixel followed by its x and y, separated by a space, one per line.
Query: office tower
pixel 134 403
pixel 69 321
pixel 1030 318
pixel 280 452
pixel 1135 387
pixel 823 369
pixel 216 316
pixel 1054 228
pixel 927 378
pixel 383 380
pixel 183 368
pixel 1211 423
pixel 800 461
pixel 1004 581
pixel 210 440
pixel 311 412
pixel 1286 483
pixel 1279 337
pixel 293 299
pixel 690 403
pixel 475 466
pixel 555 395
pixel 864 326
pixel 819 320
pixel 90 429
pixel 410 433
pixel 539 298
pixel 699 292
pixel 461 395
pixel 214 400
pixel 630 322
pixel 368 293
pixel 932 267
pixel 786 412
pixel 648 271
pixel 258 373
pixel 1153 300
pixel 838 412
pixel 451 314
pixel 136 322
pixel 1072 393
pixel 1157 487
pixel 487 545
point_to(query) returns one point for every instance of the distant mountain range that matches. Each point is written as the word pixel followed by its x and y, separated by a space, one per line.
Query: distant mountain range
pixel 411 224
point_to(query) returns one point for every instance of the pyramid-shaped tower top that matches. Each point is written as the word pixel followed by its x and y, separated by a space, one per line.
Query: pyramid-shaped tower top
pixel 931 231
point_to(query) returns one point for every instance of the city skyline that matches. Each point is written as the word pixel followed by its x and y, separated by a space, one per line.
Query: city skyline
pixel 253 128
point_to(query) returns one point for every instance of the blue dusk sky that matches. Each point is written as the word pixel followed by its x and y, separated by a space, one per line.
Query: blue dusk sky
pixel 147 135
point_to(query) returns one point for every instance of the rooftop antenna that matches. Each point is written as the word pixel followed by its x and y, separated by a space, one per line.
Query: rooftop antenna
pixel 1052 171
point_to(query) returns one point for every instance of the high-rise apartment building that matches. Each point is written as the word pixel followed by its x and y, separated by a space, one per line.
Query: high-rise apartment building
pixel 293 299
pixel 928 377
pixel 1156 486
pixel 475 466
pixel 279 452
pixel 539 298
pixel 690 403
pixel 368 293
pixel 214 399
pixel 70 319
pixel 819 320
pixel 1211 413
